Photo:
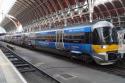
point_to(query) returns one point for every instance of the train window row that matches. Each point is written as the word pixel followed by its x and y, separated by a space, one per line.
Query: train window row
pixel 46 38
pixel 78 38
pixel 68 38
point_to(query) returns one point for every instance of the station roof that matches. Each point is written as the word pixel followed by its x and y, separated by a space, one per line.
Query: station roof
pixel 26 11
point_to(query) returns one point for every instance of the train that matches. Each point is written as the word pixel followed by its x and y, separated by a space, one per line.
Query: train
pixel 97 41
pixel 121 38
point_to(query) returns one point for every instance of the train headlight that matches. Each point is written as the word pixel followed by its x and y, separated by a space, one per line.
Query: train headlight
pixel 104 46
pixel 102 53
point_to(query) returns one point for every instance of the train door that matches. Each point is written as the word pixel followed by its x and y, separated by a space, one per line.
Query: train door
pixel 59 39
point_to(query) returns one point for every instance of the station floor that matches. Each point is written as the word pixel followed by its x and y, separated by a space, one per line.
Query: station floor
pixel 8 73
pixel 64 70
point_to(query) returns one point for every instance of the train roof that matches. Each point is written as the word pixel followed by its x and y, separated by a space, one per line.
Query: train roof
pixel 93 25
pixel 70 27
pixel 102 24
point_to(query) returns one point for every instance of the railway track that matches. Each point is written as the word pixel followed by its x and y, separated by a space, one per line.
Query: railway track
pixel 25 67
pixel 116 69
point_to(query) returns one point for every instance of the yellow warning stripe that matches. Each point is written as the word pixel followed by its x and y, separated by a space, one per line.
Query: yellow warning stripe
pixel 100 49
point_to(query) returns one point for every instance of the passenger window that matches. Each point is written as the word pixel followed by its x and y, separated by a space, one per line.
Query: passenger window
pixel 78 38
pixel 88 38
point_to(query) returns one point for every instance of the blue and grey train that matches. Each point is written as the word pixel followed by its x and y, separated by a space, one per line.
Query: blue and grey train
pixel 97 40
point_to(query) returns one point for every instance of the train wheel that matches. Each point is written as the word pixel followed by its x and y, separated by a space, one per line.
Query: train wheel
pixel 87 58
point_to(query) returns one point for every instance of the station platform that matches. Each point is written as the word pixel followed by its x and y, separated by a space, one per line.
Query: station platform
pixel 65 71
pixel 8 73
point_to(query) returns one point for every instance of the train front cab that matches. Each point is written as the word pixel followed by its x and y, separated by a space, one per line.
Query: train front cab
pixel 105 44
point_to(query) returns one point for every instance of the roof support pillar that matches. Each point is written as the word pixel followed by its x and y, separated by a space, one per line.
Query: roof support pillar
pixel 91 8
pixel 65 22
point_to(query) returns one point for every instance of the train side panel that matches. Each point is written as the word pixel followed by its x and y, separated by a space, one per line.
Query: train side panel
pixel 44 39
pixel 78 40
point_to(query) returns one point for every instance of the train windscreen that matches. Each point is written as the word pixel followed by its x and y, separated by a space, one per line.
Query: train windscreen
pixel 105 35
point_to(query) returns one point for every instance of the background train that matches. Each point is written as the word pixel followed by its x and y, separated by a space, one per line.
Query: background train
pixel 97 41
pixel 121 38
